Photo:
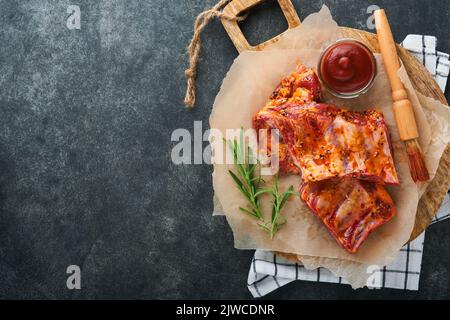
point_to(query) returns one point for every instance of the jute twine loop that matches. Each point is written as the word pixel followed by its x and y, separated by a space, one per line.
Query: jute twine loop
pixel 194 46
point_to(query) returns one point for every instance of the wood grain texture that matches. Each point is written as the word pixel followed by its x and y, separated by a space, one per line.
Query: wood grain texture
pixel 421 80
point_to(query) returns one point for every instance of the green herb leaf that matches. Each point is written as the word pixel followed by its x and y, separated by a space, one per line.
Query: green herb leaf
pixel 245 179
pixel 248 211
pixel 248 184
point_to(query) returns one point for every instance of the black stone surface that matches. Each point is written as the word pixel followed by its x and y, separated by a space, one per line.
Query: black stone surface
pixel 86 178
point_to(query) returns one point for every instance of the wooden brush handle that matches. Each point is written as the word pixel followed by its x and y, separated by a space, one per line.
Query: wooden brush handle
pixel 236 7
pixel 404 113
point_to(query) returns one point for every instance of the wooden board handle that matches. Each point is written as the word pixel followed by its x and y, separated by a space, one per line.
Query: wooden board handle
pixel 404 114
pixel 236 7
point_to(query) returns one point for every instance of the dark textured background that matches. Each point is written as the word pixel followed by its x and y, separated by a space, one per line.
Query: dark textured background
pixel 85 172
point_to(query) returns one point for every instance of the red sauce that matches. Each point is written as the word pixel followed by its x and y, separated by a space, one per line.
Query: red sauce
pixel 347 67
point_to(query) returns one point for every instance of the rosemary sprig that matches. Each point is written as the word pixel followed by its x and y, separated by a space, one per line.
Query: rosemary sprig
pixel 248 184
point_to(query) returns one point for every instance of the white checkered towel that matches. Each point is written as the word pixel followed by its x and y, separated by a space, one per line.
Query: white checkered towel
pixel 268 271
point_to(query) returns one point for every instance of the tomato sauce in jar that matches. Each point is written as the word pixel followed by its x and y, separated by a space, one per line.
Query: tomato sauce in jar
pixel 347 68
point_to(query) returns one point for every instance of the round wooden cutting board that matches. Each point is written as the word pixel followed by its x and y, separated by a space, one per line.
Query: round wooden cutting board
pixel 421 79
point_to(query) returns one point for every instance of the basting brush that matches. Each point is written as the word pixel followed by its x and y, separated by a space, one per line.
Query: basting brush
pixel 403 111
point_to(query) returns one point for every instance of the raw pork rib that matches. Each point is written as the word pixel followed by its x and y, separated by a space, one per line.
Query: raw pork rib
pixel 322 142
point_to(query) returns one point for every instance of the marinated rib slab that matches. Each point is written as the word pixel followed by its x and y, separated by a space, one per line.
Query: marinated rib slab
pixel 301 87
pixel 351 209
pixel 344 157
